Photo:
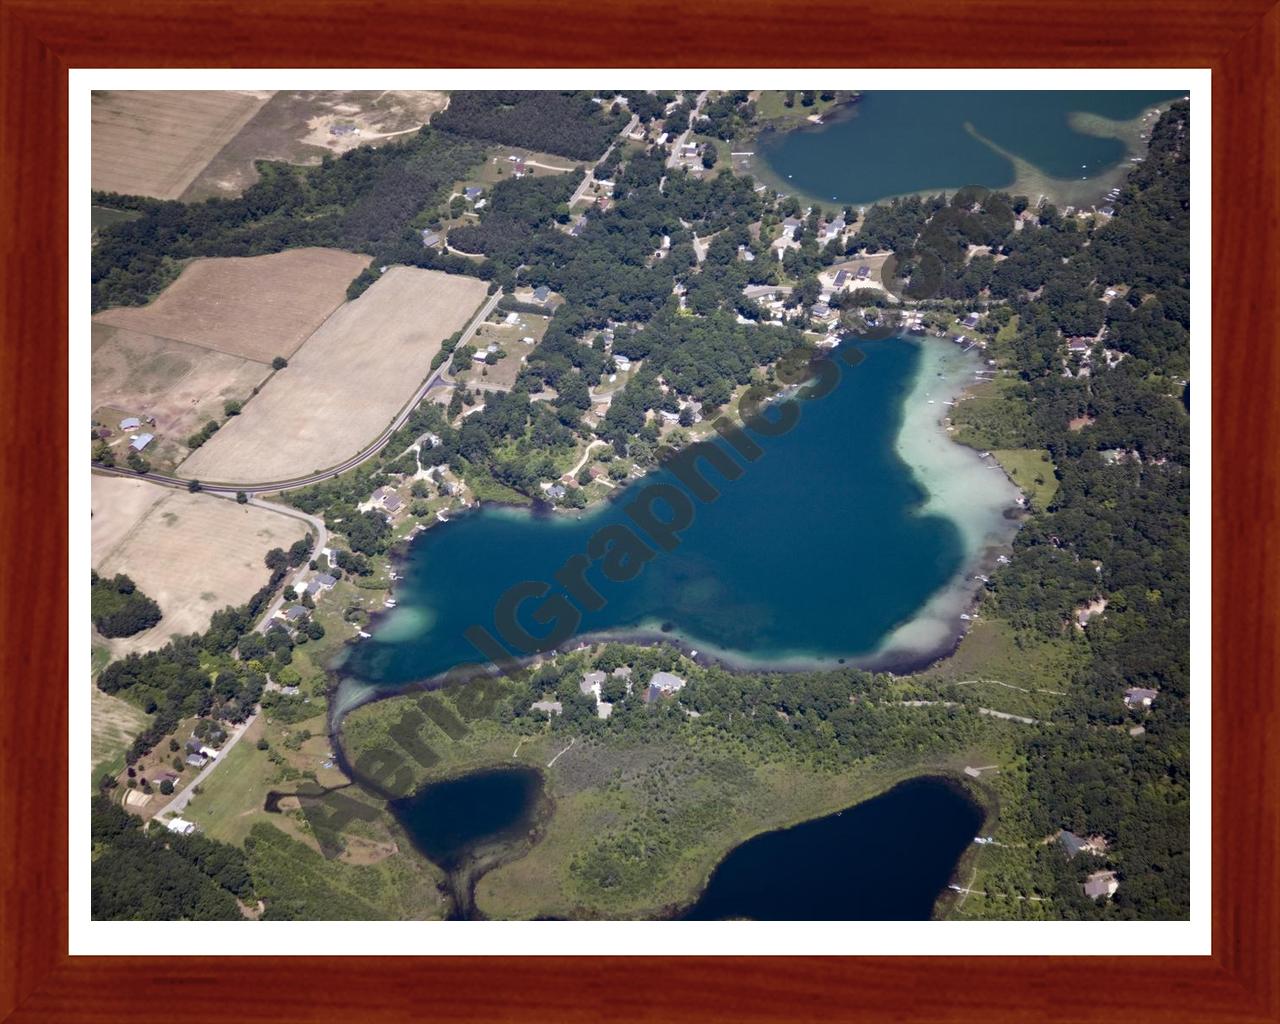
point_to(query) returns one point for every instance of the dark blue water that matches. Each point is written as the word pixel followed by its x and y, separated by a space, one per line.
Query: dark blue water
pixel 819 549
pixel 884 860
pixel 448 821
pixel 895 143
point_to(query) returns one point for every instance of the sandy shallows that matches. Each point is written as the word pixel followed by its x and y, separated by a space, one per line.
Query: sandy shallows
pixel 255 307
pixel 192 553
pixel 154 143
pixel 346 383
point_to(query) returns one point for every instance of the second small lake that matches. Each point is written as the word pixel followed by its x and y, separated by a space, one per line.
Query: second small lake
pixel 887 859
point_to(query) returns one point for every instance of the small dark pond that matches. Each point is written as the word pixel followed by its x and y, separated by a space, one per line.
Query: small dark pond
pixel 450 821
pixel 887 859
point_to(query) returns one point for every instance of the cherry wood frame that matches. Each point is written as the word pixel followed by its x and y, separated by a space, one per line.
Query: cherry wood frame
pixel 41 39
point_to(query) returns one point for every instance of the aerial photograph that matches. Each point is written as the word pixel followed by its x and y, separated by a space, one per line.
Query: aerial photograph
pixel 639 505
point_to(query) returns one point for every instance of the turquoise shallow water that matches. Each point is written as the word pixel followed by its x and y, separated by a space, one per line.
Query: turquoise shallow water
pixel 819 550
pixel 899 142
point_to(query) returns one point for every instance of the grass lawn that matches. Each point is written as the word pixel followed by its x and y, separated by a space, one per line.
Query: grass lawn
pixel 770 107
pixel 231 797
pixel 1032 470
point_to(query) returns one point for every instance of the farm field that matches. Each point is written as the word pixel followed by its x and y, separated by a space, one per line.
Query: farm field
pixel 255 307
pixel 183 386
pixel 115 723
pixel 193 553
pixel 345 384
pixel 299 128
pixel 154 143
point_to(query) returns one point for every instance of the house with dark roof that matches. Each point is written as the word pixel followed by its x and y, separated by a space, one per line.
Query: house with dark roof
pixel 541 294
pixel 970 321
pixel 1073 844
pixel 863 273
pixel 430 239
pixel 474 192
pixel 841 278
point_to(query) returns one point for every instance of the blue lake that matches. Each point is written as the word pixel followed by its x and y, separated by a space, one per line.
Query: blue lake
pixel 899 142
pixel 817 551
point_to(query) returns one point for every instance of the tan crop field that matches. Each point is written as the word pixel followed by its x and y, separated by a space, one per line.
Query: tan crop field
pixel 154 143
pixel 256 307
pixel 346 383
pixel 183 386
pixel 193 553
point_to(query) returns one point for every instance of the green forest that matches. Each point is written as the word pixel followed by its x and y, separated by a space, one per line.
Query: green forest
pixel 119 608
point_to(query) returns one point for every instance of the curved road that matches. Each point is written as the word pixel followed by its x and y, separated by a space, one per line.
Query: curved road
pixel 435 378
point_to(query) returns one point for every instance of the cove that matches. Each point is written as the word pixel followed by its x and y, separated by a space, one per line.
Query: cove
pixel 847 539
pixel 896 143
pixel 887 859
pixel 450 822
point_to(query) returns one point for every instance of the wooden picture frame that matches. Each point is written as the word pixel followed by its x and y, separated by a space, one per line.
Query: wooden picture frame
pixel 1238 39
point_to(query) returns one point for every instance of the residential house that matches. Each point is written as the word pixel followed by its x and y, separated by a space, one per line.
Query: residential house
pixel 591 683
pixel 541 294
pixel 430 239
pixel 1073 844
pixel 141 441
pixel 970 321
pixel 863 273
pixel 292 615
pixel 197 760
pixel 1139 697
pixel 180 826
pixel 841 278
pixel 1101 884
pixel 474 192
pixel 663 684
pixel 551 707
pixel 130 423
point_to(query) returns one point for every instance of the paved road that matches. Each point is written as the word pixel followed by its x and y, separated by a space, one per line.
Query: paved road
pixel 322 541
pixel 587 178
pixel 674 159
pixel 220 487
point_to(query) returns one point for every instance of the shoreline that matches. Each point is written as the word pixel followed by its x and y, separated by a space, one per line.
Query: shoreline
pixel 949 473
